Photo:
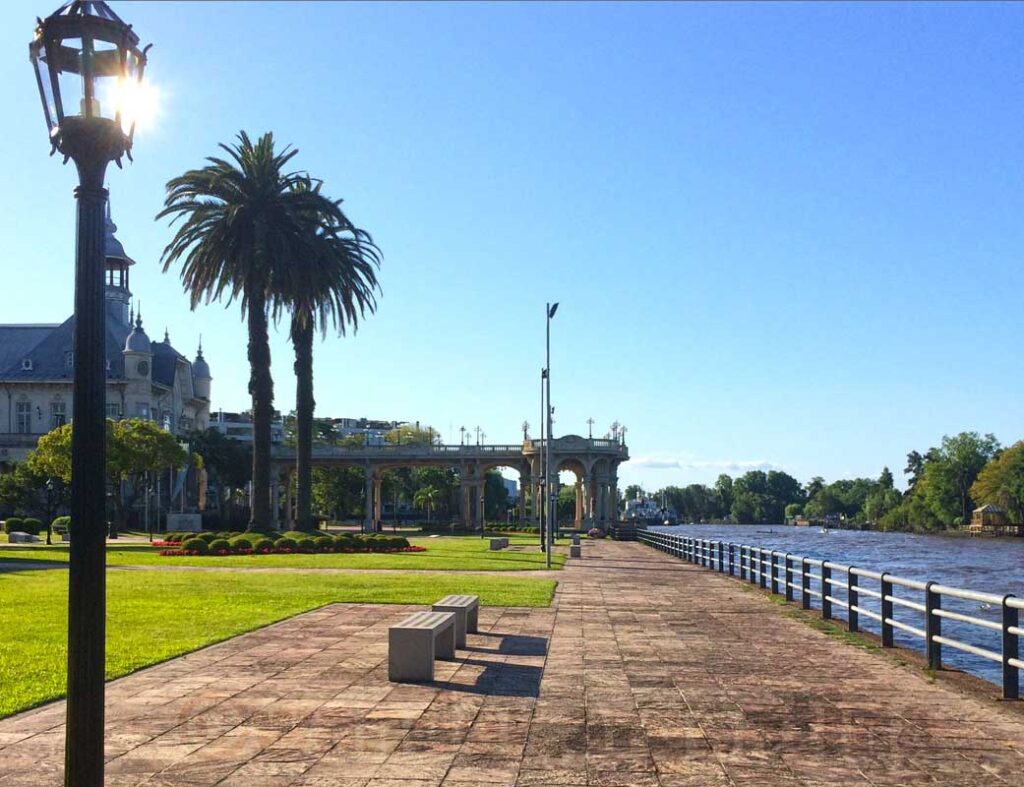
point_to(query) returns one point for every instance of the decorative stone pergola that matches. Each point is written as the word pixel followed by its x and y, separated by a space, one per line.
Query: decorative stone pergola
pixel 595 463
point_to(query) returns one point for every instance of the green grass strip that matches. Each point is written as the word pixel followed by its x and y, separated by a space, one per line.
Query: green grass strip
pixel 156 615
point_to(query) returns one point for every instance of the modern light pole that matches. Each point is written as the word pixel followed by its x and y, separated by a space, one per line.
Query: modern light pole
pixel 88 68
pixel 549 311
pixel 542 481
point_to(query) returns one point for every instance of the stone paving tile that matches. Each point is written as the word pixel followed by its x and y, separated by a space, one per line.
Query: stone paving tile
pixel 646 671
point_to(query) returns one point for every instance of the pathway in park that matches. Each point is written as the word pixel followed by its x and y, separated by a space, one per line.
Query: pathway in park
pixel 647 671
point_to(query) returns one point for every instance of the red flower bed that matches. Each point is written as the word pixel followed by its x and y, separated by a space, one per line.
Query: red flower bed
pixel 283 551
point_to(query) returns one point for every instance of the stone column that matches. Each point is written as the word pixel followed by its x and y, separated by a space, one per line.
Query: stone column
pixel 524 482
pixel 378 502
pixel 275 501
pixel 368 503
pixel 465 501
pixel 578 521
pixel 288 501
pixel 613 498
pixel 480 498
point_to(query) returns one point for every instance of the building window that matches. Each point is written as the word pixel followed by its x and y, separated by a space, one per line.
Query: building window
pixel 69 360
pixel 114 410
pixel 58 413
pixel 143 410
pixel 24 417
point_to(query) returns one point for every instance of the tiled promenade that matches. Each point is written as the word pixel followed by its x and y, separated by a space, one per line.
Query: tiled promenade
pixel 647 671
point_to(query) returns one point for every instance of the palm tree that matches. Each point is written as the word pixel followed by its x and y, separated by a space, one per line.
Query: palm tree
pixel 245 224
pixel 426 497
pixel 333 284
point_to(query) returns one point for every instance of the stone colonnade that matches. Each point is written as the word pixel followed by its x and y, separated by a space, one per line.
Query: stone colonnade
pixel 594 462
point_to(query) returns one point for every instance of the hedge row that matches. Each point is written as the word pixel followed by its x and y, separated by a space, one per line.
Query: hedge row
pixel 285 543
pixel 30 525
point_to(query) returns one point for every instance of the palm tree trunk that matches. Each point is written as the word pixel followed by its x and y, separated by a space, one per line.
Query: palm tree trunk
pixel 302 340
pixel 261 388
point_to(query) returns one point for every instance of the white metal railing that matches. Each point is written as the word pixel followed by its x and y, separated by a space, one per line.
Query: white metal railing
pixel 838 585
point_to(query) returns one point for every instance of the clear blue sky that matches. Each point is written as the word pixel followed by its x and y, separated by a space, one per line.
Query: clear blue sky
pixel 781 235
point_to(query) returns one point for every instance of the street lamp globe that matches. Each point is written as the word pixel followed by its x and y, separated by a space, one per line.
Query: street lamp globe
pixel 88 68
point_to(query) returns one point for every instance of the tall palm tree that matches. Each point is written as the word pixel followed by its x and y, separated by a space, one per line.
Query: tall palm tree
pixel 245 224
pixel 335 284
pixel 426 497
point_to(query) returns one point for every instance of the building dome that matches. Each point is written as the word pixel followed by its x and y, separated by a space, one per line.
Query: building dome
pixel 200 368
pixel 137 341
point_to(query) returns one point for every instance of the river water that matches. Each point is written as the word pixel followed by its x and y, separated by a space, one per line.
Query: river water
pixel 990 565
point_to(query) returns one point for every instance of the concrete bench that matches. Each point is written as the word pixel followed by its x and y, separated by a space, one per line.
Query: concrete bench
pixel 415 642
pixel 575 539
pixel 465 609
pixel 575 551
pixel 498 543
pixel 17 537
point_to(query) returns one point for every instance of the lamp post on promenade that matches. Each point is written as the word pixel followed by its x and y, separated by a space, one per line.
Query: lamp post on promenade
pixel 88 68
pixel 549 312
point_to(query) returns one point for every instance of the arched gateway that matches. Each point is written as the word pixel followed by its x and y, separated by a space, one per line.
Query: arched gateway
pixel 594 461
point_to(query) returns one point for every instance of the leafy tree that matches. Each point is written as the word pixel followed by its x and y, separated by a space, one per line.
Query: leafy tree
pixel 134 447
pixel 245 229
pixel 409 434
pixel 28 491
pixel 1001 482
pixel 885 480
pixel 332 284
pixel 339 491
pixel 633 491
pixel 723 492
pixel 794 510
pixel 914 469
pixel 814 486
pixel 952 469
pixel 496 494
pixel 228 463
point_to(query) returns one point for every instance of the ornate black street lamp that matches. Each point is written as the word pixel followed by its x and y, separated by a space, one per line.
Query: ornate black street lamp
pixel 88 67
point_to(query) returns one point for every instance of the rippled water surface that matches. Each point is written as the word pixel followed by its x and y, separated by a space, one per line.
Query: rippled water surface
pixel 991 565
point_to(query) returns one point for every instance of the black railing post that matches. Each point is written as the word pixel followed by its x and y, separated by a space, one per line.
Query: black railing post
pixel 805 583
pixel 721 557
pixel 732 559
pixel 1011 651
pixel 887 611
pixel 743 564
pixel 789 577
pixel 775 573
pixel 853 599
pixel 826 605
pixel 762 574
pixel 932 626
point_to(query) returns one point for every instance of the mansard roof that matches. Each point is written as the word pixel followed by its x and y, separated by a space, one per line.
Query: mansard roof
pixel 49 353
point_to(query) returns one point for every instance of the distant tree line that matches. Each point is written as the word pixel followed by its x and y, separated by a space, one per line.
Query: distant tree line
pixel 944 485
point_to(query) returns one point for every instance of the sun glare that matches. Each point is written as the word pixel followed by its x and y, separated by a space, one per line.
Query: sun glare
pixel 136 102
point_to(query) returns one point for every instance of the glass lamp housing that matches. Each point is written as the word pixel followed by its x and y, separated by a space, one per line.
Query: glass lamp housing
pixel 88 68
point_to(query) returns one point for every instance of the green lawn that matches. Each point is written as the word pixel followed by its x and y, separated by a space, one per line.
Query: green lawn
pixel 156 615
pixel 443 554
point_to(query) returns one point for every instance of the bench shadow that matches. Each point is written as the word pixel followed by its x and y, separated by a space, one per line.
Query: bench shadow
pixel 515 645
pixel 499 680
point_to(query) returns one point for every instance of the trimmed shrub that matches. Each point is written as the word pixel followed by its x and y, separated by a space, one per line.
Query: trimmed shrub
pixel 208 537
pixel 324 542
pixel 14 524
pixel 285 543
pixel 344 541
pixel 61 523
pixel 241 542
pixel 220 545
pixel 262 545
pixel 306 544
pixel 295 534
pixel 31 525
pixel 195 545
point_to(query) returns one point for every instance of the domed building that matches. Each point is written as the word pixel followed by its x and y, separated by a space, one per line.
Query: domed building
pixel 145 379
